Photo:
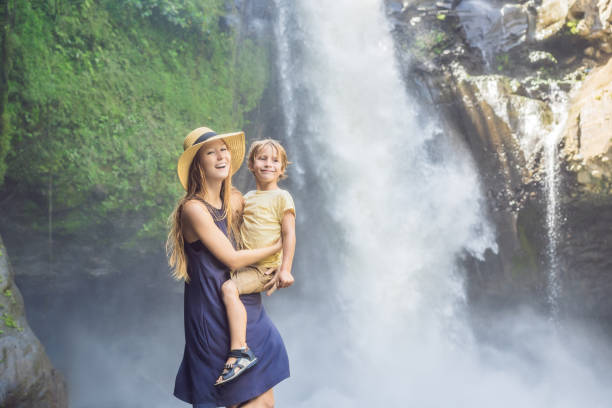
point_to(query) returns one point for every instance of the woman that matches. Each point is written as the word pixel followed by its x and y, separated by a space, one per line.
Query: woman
pixel 201 254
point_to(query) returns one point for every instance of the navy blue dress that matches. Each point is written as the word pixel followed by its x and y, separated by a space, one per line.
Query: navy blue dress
pixel 207 336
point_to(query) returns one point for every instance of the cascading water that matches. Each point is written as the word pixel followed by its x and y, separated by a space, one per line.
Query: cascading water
pixel 377 315
pixel 551 163
pixel 534 137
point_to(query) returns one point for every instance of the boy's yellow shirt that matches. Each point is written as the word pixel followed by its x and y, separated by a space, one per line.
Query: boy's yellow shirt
pixel 261 224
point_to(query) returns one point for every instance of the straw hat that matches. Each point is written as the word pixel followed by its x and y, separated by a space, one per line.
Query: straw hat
pixel 196 139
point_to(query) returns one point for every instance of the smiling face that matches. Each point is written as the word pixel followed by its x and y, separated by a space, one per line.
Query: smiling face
pixel 215 159
pixel 266 167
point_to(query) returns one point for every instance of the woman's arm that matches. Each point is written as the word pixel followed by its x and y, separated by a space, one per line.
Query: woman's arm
pixel 197 220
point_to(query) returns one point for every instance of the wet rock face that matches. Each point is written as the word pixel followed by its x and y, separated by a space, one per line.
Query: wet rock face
pixel 493 26
pixel 590 19
pixel 588 139
pixel 27 378
pixel 587 272
pixel 505 75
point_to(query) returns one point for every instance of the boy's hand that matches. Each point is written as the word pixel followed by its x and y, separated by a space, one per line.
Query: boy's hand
pixel 285 279
pixel 281 279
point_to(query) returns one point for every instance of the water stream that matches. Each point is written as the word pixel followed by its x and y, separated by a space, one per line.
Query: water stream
pixel 388 207
pixel 553 218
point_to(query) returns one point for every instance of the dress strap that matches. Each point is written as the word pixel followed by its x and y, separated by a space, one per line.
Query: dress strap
pixel 218 214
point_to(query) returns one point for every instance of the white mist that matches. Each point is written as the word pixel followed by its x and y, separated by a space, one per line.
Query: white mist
pixel 377 316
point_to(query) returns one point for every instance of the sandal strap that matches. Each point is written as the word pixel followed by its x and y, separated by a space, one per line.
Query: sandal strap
pixel 245 359
pixel 242 353
pixel 232 370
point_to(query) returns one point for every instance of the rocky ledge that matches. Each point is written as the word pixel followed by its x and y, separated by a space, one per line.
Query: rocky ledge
pixel 27 378
pixel 528 86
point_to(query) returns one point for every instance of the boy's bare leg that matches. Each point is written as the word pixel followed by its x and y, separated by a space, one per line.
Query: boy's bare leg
pixel 236 317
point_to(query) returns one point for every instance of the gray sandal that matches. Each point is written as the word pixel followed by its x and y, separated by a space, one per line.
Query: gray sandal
pixel 245 359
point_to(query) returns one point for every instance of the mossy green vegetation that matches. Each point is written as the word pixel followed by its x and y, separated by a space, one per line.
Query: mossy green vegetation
pixel 527 260
pixel 525 264
pixel 9 294
pixel 572 26
pixel 10 322
pixel 503 61
pixel 434 41
pixel 99 96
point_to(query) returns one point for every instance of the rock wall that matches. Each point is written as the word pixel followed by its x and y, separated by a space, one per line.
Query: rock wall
pixel 27 378
pixel 505 77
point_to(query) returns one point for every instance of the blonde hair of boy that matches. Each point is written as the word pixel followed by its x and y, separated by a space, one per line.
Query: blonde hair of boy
pixel 256 147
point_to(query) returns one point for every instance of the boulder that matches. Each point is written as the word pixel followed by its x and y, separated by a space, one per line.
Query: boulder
pixel 589 19
pixel 588 137
pixel 27 378
pixel 494 29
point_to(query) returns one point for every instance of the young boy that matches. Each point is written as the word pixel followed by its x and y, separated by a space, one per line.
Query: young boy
pixel 269 214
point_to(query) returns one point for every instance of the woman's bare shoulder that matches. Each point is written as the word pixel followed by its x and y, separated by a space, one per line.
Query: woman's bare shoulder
pixel 195 210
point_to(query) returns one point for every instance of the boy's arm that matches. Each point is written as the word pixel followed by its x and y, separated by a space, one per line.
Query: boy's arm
pixel 236 201
pixel 285 279
pixel 237 206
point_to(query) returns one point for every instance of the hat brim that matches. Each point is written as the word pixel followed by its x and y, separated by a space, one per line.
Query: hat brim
pixel 233 141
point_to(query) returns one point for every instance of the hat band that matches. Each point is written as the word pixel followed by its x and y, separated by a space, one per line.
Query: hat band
pixel 204 137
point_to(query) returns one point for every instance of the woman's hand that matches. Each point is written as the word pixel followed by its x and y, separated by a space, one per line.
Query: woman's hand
pixel 271 286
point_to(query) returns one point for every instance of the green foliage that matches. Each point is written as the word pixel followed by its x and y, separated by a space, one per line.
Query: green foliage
pixel 441 16
pixel 525 259
pixel 572 26
pixel 9 294
pixel 9 321
pixel 202 15
pixel 503 61
pixel 101 95
pixel 434 41
pixel 5 135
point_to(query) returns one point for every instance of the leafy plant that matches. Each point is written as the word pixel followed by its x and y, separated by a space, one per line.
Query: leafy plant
pixel 572 26
pixel 100 96
pixel 503 61
pixel 9 294
pixel 433 41
pixel 9 321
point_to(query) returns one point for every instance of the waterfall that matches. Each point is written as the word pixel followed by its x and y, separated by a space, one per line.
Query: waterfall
pixel 404 213
pixel 551 182
pixel 386 205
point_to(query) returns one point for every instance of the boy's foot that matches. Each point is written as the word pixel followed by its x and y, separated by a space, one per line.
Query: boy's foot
pixel 239 361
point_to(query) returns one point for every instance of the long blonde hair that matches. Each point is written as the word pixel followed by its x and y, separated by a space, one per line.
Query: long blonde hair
pixel 175 244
